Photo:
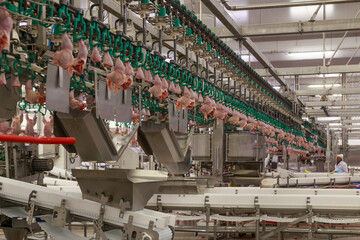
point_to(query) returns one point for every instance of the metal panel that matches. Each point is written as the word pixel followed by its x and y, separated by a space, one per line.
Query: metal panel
pixel 8 99
pixel 93 142
pixel 183 121
pixel 133 186
pixel 245 147
pixel 178 119
pixel 105 101
pixel 173 117
pixel 123 106
pixel 57 89
pixel 164 144
pixel 201 147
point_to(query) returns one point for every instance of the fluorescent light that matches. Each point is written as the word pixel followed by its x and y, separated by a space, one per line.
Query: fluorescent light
pixel 328 118
pixel 334 124
pixel 328 75
pixel 305 118
pixel 315 54
pixel 353 142
pixel 326 85
pixel 337 95
pixel 277 88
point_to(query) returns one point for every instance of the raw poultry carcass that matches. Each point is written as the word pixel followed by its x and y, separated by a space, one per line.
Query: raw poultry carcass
pixel 135 116
pixel 172 87
pixel 281 135
pixel 139 74
pixel 6 24
pixel 116 78
pixel 95 55
pixel 129 73
pixel 15 83
pixel 4 127
pixel 156 90
pixel 234 119
pixel 64 58
pixel 48 127
pixel 220 112
pixel 31 96
pixel 261 127
pixel 164 88
pixel 29 129
pixel 243 120
pixel 108 62
pixel 251 124
pixel 80 61
pixel 16 124
pixel 207 109
pixel 148 76
pixel 3 79
pixel 41 91
pixel 75 103
pixel 184 101
pixel 177 89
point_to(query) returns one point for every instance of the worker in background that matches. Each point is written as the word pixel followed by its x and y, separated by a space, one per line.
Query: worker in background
pixel 340 165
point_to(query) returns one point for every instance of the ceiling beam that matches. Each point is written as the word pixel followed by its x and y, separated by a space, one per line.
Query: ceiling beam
pixel 312 70
pixel 333 111
pixel 283 4
pixel 332 103
pixel 255 30
pixel 312 92
pixel 347 126
pixel 219 11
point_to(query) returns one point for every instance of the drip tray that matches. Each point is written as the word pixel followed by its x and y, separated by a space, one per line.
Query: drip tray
pixel 133 187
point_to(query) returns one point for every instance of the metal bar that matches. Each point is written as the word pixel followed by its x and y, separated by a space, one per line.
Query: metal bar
pixel 125 19
pixel 7 159
pixel 312 19
pixel 300 27
pixel 342 40
pixel 283 4
pixel 332 103
pixel 343 91
pixel 101 10
pixel 282 228
pixel 355 68
pixel 144 31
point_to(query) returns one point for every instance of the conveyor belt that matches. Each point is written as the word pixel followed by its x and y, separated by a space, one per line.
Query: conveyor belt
pixel 277 200
pixel 49 198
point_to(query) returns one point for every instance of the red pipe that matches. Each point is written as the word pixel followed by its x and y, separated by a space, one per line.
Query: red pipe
pixel 37 140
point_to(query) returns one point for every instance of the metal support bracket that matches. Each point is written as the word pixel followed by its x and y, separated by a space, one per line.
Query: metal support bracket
pixel 60 215
pixel 207 214
pixel 310 215
pixel 123 206
pixel 138 233
pixel 31 207
pixel 158 203
pixel 99 222
pixel 257 215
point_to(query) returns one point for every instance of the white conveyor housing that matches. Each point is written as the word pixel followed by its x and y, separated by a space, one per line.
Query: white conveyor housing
pixel 14 190
pixel 266 199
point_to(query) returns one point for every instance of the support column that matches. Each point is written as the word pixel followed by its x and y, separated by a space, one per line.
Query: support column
pixel 344 135
pixel 218 148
